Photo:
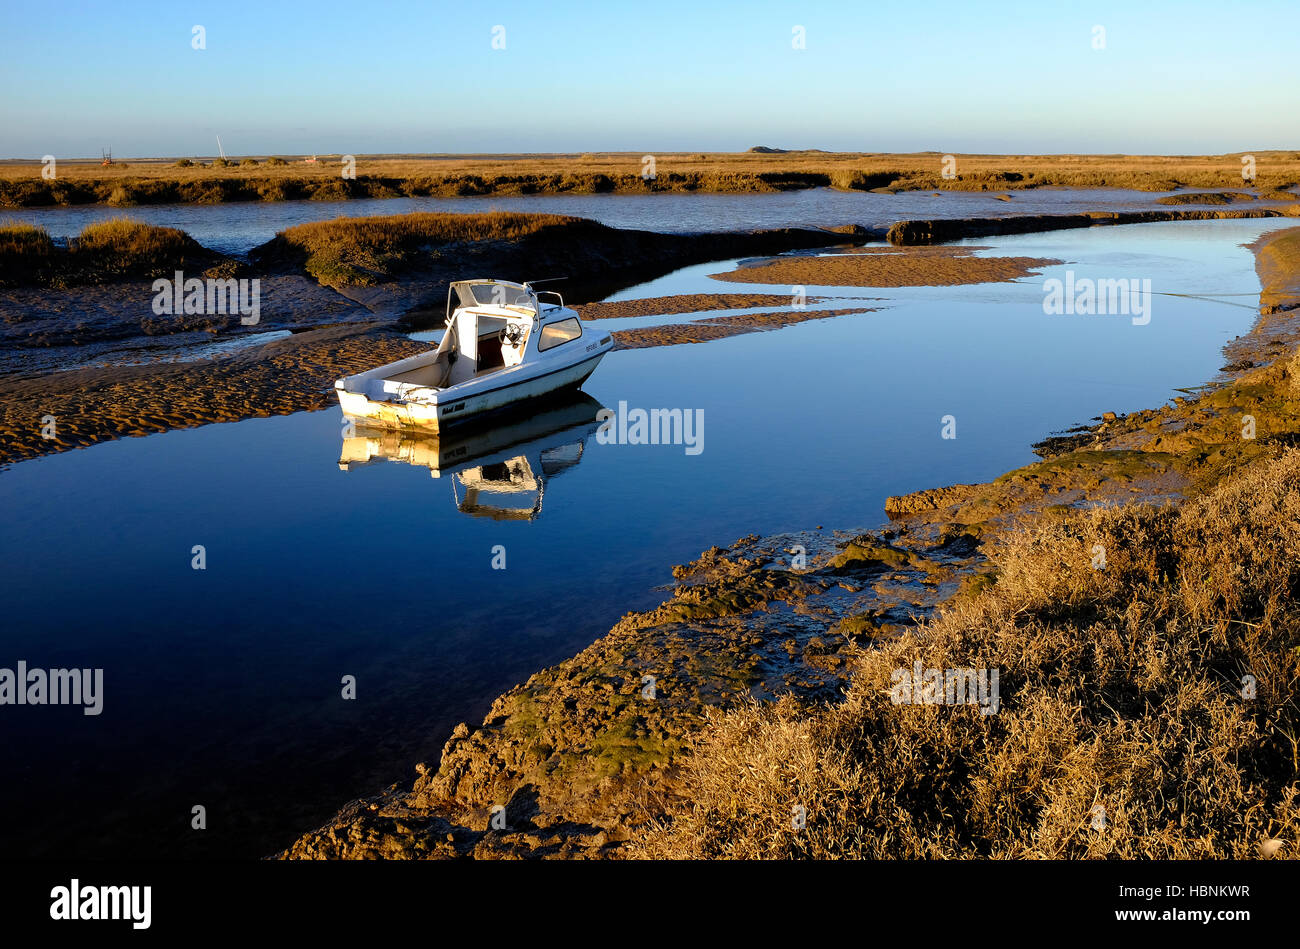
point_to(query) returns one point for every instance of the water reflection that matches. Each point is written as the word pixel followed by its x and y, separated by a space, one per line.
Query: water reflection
pixel 497 471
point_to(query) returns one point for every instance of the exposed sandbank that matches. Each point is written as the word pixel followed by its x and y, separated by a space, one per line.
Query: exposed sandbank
pixel 683 303
pixel 884 267
pixel 721 327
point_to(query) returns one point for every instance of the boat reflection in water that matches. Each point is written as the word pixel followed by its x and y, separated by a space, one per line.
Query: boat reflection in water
pixel 498 471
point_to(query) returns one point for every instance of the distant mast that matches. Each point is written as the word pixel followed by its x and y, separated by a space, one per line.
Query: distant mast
pixel 221 150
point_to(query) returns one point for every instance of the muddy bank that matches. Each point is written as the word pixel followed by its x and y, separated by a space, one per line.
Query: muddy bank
pixel 941 231
pixel 92 405
pixel 884 267
pixel 721 327
pixel 646 743
pixel 1277 261
pixel 1117 683
pixel 43 330
pixel 1227 197
pixel 582 754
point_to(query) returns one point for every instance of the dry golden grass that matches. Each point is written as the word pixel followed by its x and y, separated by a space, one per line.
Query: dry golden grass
pixel 363 251
pixel 162 180
pixel 1120 687
pixel 19 241
pixel 26 253
pixel 103 251
pixel 129 238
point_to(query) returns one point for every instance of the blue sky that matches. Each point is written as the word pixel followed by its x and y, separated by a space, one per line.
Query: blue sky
pixel 332 77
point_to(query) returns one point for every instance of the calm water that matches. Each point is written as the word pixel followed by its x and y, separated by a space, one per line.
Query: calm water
pixel 237 228
pixel 222 686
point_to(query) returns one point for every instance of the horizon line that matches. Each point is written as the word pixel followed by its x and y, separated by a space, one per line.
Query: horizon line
pixel 752 150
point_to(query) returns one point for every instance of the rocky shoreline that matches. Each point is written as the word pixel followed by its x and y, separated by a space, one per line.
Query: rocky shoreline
pixel 582 761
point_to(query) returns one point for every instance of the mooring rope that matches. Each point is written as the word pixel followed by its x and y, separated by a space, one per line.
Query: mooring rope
pixel 1212 297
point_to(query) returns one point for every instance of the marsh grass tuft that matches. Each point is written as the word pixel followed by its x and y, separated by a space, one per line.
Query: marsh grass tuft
pixel 118 248
pixel 24 248
pixel 367 250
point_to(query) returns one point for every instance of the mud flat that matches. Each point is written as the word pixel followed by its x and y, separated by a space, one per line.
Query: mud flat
pixel 885 267
pixel 1121 587
pixel 721 327
pixel 683 303
pixel 93 405
pixel 42 330
pixel 1227 197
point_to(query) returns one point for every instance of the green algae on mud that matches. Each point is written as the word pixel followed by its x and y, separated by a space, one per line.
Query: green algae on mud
pixel 581 755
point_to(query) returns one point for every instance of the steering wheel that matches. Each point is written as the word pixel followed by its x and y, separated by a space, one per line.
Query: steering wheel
pixel 511 333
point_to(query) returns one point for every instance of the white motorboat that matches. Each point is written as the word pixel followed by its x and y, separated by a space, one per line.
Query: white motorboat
pixel 503 345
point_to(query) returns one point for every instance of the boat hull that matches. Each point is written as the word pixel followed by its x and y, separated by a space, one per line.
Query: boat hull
pixel 452 408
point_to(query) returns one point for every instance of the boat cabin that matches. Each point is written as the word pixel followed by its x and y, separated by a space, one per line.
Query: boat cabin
pixel 494 324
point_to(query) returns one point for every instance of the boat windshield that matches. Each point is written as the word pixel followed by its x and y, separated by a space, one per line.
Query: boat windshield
pixel 493 293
